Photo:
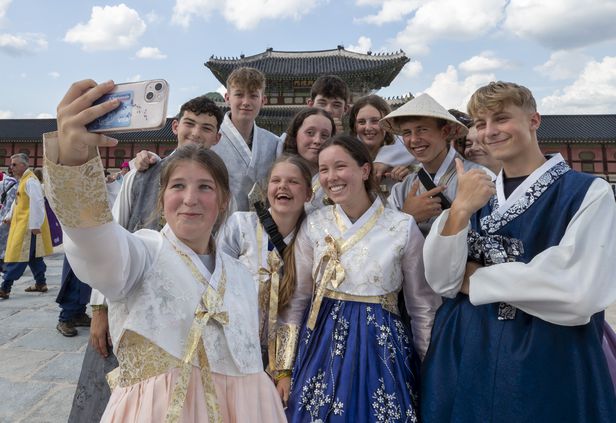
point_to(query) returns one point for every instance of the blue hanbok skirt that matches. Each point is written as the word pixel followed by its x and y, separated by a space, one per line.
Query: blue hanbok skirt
pixel 357 365
pixel 482 369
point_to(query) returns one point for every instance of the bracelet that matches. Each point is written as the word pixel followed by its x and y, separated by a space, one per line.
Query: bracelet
pixel 281 375
pixel 98 307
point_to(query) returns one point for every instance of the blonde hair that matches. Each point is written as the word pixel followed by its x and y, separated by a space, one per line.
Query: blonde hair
pixel 287 283
pixel 497 95
pixel 250 79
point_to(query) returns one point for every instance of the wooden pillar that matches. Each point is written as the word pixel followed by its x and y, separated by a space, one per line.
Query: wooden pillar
pixel 604 159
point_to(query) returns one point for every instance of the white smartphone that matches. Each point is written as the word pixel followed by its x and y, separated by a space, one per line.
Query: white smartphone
pixel 143 107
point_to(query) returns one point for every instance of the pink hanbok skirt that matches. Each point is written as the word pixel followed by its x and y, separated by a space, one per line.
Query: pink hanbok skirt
pixel 251 398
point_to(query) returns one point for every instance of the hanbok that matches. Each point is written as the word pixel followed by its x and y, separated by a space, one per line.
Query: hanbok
pixel 243 237
pixel 356 360
pixel 183 326
pixel 8 189
pixel 526 345
pixel 248 166
pixel 319 199
pixel 445 176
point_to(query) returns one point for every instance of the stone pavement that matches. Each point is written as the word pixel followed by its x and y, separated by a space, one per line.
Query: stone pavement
pixel 40 367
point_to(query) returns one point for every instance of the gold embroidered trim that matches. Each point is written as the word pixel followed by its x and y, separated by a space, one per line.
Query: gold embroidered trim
pixel 286 343
pixel 210 307
pixel 316 186
pixel 268 298
pixel 140 359
pixel 78 194
pixel 389 301
pixel 330 261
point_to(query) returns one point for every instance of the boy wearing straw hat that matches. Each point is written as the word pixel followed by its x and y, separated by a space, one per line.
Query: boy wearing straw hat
pixel 426 128
pixel 525 264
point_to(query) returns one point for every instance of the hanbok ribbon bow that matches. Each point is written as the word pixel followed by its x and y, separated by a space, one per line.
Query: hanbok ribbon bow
pixel 334 273
pixel 209 309
pixel 272 275
pixel 493 249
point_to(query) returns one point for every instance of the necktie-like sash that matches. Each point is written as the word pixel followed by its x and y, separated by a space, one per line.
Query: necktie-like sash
pixel 333 271
pixel 210 308
pixel 271 276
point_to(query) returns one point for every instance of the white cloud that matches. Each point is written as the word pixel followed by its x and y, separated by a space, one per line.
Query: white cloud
pixel 562 24
pixel 594 91
pixel 20 44
pixel 484 62
pixel 244 14
pixel 4 5
pixel 450 19
pixel 391 10
pixel 109 28
pixel 563 64
pixel 54 74
pixel 153 17
pixel 134 78
pixel 452 92
pixel 412 69
pixel 6 114
pixel 364 44
pixel 44 116
pixel 222 90
pixel 150 53
pixel 370 2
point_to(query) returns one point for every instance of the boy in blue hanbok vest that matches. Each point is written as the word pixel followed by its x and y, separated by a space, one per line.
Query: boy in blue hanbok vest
pixel 525 264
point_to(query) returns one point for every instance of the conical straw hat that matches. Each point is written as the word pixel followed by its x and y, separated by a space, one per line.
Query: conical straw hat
pixel 423 106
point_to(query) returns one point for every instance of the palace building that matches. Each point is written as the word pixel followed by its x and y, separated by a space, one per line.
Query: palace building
pixel 290 75
pixel 587 142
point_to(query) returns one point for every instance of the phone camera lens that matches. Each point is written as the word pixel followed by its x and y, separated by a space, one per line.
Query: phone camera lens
pixel 149 95
pixel 158 86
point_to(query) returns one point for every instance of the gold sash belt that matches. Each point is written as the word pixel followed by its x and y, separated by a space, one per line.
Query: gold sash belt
pixel 388 301
pixel 333 271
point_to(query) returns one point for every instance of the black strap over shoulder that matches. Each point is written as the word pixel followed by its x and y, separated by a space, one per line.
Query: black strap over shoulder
pixel 428 184
pixel 270 227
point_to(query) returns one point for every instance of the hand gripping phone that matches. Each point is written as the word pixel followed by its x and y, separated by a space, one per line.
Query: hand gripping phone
pixel 143 106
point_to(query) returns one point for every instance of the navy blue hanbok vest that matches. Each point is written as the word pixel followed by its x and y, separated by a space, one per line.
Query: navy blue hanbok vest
pixel 496 363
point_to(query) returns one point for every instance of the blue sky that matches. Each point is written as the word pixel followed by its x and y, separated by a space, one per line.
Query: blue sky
pixel 563 50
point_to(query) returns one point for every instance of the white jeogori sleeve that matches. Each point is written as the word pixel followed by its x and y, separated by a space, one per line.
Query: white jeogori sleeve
pixel 228 240
pixel 395 154
pixel 304 284
pixel 445 258
pixel 37 204
pixel 123 202
pixel 568 283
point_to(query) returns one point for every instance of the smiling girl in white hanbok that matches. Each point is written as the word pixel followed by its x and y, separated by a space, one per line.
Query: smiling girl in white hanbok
pixel 356 360
pixel 183 316
pixel 268 254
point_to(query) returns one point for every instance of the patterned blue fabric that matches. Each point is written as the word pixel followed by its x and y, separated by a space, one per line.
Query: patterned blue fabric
pixel 358 365
pixel 480 368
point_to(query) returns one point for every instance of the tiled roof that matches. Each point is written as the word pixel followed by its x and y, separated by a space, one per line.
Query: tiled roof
pixel 553 129
pixel 12 130
pixel 381 67
pixel 577 128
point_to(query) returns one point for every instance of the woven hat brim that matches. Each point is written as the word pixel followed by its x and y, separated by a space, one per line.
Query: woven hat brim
pixel 423 106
